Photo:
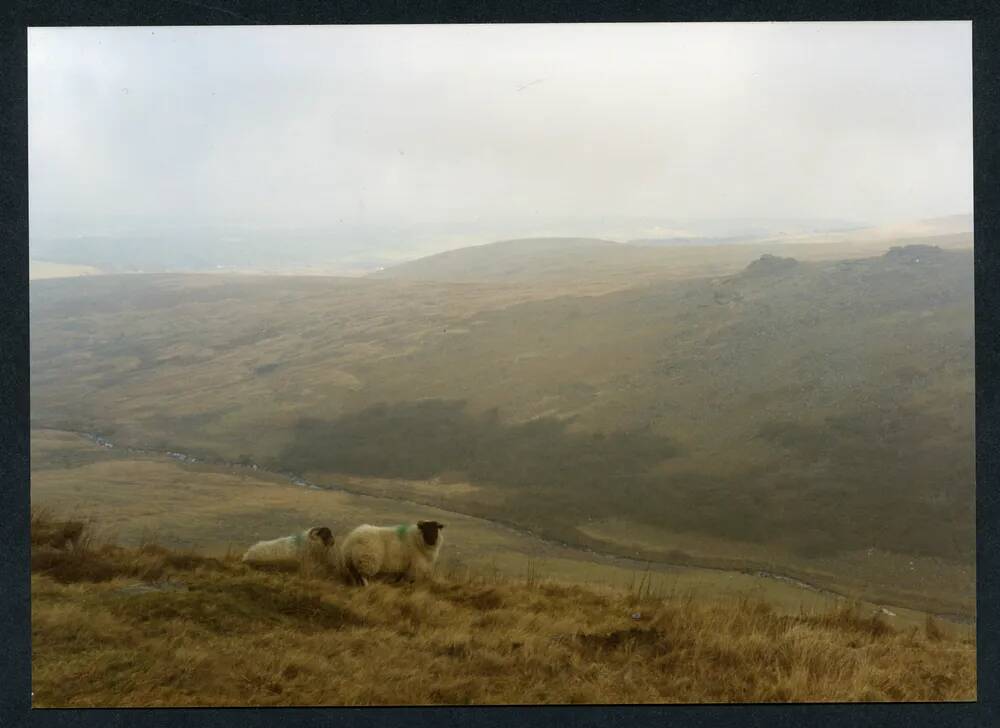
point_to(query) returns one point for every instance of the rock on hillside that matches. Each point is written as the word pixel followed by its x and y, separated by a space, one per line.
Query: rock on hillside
pixel 769 264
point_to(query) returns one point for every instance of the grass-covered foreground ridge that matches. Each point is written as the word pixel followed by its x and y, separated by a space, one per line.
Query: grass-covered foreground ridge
pixel 146 626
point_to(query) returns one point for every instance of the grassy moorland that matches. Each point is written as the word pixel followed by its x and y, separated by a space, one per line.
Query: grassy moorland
pixel 812 417
pixel 215 509
pixel 147 626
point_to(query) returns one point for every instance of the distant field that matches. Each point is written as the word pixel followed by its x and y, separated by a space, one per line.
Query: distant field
pixel 40 270
pixel 217 510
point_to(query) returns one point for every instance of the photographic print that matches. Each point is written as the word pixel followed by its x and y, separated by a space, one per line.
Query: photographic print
pixel 404 365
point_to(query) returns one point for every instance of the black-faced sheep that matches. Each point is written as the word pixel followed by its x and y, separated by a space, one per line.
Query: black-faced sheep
pixel 312 543
pixel 405 551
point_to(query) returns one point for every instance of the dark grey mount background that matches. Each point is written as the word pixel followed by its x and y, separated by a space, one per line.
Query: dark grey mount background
pixel 15 647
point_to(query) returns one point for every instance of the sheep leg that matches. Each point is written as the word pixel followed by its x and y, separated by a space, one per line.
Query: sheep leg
pixel 415 574
pixel 356 575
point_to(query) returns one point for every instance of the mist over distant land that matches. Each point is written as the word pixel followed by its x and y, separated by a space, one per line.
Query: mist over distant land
pixel 353 249
pixel 357 147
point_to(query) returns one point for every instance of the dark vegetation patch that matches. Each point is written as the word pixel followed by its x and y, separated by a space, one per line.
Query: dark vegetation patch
pixel 265 369
pixel 872 464
pixel 769 264
pixel 429 437
pixel 553 478
pixel 72 567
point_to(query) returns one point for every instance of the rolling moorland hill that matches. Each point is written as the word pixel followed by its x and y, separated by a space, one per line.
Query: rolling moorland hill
pixel 812 416
pixel 550 268
pixel 511 260
pixel 603 265
pixel 151 627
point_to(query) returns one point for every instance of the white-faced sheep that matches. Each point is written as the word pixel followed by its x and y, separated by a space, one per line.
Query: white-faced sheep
pixel 406 551
pixel 313 543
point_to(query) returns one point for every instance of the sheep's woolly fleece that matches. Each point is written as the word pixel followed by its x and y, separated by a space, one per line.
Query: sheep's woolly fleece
pixel 406 551
pixel 315 542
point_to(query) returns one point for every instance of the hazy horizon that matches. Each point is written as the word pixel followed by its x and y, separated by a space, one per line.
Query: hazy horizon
pixel 397 141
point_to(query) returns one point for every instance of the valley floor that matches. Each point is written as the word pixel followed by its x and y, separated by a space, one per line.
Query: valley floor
pixel 136 498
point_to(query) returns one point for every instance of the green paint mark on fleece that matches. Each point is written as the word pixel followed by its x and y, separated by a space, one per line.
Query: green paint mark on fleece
pixel 401 530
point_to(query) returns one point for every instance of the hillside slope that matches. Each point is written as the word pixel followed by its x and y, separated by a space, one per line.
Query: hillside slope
pixel 147 627
pixel 574 266
pixel 586 265
pixel 793 412
pixel 507 260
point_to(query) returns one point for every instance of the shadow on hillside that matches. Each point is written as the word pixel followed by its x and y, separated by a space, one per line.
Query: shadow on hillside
pixel 427 437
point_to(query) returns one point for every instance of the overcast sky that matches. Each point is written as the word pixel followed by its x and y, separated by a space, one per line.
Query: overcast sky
pixel 496 127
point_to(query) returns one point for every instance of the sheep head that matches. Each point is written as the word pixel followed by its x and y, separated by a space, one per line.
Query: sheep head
pixel 321 534
pixel 429 530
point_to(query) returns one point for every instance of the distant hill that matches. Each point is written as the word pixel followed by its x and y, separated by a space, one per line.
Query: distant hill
pixel 689 240
pixel 525 259
pixel 588 265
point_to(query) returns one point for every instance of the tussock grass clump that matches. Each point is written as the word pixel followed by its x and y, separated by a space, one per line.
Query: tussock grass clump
pixel 94 561
pixel 48 532
pixel 166 629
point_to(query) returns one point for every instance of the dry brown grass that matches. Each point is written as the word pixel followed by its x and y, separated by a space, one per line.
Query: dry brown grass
pixel 151 627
